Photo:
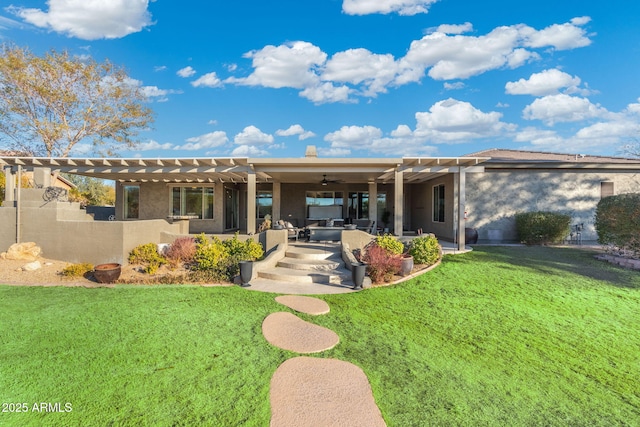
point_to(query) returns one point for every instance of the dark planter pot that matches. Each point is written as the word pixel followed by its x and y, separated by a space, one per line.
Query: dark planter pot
pixel 246 271
pixel 358 271
pixel 471 236
pixel 107 273
pixel 406 266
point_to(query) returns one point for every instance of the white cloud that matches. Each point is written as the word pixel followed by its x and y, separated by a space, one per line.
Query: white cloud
pixel 159 68
pixel 353 137
pixel 457 121
pixel 561 36
pixel 360 66
pixel 207 80
pixel 547 82
pixel 402 7
pixel 333 152
pixel 160 95
pixel 288 65
pixel 249 151
pixel 445 54
pixel 186 72
pixel 296 130
pixel 455 28
pixel 251 135
pixel 326 92
pixel 209 140
pixel 558 108
pixel 153 145
pixel 454 86
pixel 89 20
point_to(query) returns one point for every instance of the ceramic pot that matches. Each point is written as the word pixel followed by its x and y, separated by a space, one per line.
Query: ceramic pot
pixel 358 271
pixel 107 273
pixel 406 266
pixel 246 271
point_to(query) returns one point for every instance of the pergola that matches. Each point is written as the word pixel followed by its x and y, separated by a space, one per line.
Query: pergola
pixel 251 171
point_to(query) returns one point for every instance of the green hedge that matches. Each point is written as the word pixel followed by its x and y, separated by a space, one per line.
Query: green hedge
pixel 618 221
pixel 541 228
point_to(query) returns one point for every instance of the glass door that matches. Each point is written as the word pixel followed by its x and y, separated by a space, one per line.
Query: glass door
pixel 231 209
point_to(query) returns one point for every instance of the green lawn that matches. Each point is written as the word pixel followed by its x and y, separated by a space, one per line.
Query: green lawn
pixel 500 336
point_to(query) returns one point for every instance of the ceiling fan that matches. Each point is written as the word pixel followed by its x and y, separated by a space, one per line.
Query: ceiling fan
pixel 326 181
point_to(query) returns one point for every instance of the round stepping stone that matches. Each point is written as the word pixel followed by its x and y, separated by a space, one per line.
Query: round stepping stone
pixel 302 304
pixel 307 391
pixel 289 332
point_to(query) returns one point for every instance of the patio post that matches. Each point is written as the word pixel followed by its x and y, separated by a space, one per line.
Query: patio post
pixel 9 185
pixel 373 202
pixel 398 202
pixel 251 202
pixel 461 207
pixel 276 212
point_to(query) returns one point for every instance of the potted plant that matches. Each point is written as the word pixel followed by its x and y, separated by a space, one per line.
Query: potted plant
pixel 386 215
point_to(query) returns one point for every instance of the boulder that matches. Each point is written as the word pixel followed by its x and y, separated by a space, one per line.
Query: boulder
pixel 27 251
pixel 32 266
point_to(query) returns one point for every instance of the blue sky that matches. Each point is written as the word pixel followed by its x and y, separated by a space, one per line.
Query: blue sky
pixel 361 78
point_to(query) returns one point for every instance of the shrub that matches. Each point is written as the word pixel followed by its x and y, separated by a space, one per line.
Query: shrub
pixel 425 250
pixel 381 265
pixel 147 255
pixel 211 254
pixel 249 250
pixel 183 249
pixel 540 228
pixel 390 243
pixel 77 270
pixel 618 221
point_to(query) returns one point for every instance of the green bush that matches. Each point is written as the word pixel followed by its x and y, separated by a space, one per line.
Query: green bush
pixel 390 243
pixel 147 255
pixel 77 270
pixel 425 250
pixel 540 228
pixel 618 221
pixel 211 254
pixel 217 259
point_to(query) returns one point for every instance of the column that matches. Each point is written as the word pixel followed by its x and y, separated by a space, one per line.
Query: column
pixel 398 212
pixel 276 212
pixel 9 185
pixel 251 202
pixel 461 208
pixel 373 202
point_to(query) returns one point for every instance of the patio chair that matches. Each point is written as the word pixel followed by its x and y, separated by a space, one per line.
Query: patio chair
pixel 293 232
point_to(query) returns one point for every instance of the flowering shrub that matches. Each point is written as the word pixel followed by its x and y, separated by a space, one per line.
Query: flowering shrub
pixel 183 249
pixel 425 250
pixel 390 243
pixel 381 265
pixel 147 255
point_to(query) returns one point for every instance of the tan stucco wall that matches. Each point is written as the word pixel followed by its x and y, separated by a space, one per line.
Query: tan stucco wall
pixel 421 204
pixel 494 197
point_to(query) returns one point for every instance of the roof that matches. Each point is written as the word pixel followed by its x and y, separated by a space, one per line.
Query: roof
pixel 499 155
pixel 237 169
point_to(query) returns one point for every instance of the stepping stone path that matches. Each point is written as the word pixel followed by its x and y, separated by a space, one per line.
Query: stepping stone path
pixel 309 391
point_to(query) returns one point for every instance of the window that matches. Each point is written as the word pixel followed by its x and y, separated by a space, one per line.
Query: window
pixel 324 204
pixel 606 189
pixel 196 201
pixel 264 203
pixel 358 205
pixel 438 203
pixel 131 201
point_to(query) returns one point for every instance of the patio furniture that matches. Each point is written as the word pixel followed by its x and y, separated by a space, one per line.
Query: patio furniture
pixel 293 232
pixel 325 233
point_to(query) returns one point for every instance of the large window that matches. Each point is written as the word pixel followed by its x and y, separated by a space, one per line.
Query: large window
pixel 438 203
pixel 194 201
pixel 264 203
pixel 359 204
pixel 324 204
pixel 131 201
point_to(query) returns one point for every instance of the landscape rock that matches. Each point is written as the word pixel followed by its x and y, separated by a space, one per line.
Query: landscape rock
pixel 27 251
pixel 32 266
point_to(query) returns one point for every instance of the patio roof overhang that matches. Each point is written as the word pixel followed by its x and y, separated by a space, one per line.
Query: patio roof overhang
pixel 237 169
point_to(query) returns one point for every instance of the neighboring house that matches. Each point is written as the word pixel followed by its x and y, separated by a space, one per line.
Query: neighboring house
pixel 432 194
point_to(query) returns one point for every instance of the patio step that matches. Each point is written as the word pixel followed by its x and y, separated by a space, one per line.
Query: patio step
pixel 310 263
pixel 304 276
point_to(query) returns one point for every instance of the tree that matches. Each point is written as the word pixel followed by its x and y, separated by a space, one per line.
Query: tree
pixel 91 191
pixel 49 104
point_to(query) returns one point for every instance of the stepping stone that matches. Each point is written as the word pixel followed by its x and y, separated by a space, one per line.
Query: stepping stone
pixel 289 332
pixel 307 391
pixel 302 304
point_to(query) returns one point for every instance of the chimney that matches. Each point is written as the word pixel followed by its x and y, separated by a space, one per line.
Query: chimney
pixel 311 151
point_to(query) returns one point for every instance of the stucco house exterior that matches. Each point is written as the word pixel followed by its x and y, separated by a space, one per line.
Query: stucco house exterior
pixel 440 195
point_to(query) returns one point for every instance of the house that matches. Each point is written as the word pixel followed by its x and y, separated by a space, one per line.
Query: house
pixel 440 195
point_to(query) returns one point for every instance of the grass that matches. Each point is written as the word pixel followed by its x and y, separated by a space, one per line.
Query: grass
pixel 500 336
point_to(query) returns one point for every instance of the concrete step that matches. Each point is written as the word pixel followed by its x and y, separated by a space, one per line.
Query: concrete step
pixel 304 276
pixel 329 264
pixel 310 252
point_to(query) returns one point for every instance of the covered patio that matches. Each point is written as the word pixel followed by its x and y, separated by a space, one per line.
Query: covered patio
pixel 235 193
